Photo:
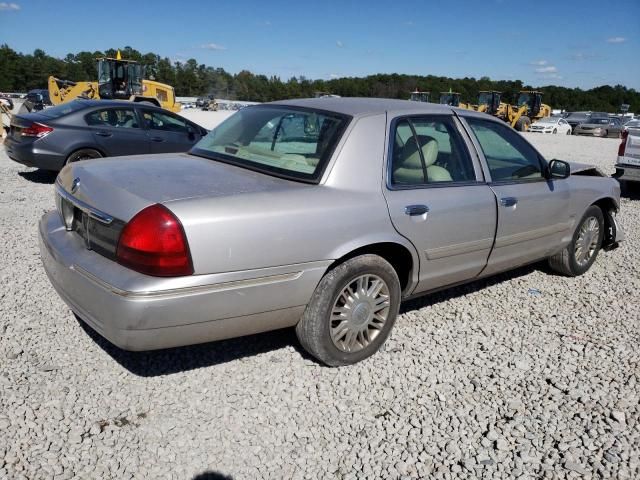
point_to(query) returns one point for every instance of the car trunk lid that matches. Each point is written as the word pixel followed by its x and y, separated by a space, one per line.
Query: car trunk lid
pixel 122 186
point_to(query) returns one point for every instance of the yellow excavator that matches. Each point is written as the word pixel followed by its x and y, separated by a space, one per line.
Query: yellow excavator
pixel 117 79
pixel 489 102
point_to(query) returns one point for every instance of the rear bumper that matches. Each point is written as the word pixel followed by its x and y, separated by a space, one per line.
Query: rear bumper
pixel 627 173
pixel 147 313
pixel 31 154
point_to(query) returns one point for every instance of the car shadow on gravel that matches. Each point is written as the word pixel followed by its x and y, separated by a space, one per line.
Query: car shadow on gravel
pixel 210 475
pixel 472 287
pixel 175 360
pixel 39 176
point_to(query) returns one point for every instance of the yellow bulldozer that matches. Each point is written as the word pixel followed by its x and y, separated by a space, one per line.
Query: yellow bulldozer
pixel 117 79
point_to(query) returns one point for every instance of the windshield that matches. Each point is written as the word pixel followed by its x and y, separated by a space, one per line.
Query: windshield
pixel 62 109
pixel 484 99
pixel 548 120
pixel 577 116
pixel 523 99
pixel 290 142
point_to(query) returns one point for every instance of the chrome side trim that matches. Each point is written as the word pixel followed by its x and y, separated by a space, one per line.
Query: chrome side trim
pixel 216 287
pixel 515 238
pixel 459 248
pixel 89 210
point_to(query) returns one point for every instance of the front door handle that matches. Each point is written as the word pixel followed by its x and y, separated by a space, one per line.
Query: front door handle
pixel 508 201
pixel 414 210
pixel 157 139
pixel 102 133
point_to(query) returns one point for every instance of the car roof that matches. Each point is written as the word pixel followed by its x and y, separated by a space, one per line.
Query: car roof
pixel 88 103
pixel 360 106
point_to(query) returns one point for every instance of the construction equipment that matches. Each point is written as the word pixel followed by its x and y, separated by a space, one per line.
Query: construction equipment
pixel 488 102
pixel 418 96
pixel 527 110
pixel 117 79
pixel 453 100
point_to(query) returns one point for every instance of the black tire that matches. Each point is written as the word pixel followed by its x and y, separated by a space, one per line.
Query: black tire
pixel 569 132
pixel 555 130
pixel 565 261
pixel 314 329
pixel 606 134
pixel 523 124
pixel 82 154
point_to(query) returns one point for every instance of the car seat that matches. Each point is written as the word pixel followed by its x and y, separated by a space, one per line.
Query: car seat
pixel 409 170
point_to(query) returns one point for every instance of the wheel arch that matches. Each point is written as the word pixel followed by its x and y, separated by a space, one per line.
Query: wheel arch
pixel 609 207
pixel 402 257
pixel 77 148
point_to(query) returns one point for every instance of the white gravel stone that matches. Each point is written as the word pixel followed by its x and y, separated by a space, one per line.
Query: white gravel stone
pixel 552 375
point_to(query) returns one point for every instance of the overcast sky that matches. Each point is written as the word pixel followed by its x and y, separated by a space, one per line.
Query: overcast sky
pixel 571 43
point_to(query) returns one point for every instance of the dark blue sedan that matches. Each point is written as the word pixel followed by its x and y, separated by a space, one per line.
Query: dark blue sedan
pixel 85 129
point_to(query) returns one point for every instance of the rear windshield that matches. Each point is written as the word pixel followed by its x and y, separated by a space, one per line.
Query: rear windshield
pixel 576 116
pixel 62 109
pixel 290 142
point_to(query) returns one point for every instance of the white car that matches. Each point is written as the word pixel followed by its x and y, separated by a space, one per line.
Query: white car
pixel 551 125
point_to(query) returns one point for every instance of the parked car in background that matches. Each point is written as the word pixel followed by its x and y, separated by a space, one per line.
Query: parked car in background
pixel 201 102
pixel 6 101
pixel 319 213
pixel 85 129
pixel 36 100
pixel 632 126
pixel 576 118
pixel 551 125
pixel 600 127
pixel 628 165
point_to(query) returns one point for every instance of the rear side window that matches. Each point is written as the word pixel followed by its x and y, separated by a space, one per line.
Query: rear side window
pixel 428 150
pixel 509 157
pixel 113 117
pixel 292 142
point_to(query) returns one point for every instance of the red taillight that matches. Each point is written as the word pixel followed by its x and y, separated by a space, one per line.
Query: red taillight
pixel 36 130
pixel 623 144
pixel 154 243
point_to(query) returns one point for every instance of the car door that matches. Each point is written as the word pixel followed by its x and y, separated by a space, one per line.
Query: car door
pixel 438 200
pixel 117 131
pixel 615 127
pixel 168 132
pixel 564 128
pixel 533 212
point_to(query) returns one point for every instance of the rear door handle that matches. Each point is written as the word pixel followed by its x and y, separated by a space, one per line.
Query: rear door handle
pixel 157 139
pixel 102 133
pixel 508 201
pixel 414 210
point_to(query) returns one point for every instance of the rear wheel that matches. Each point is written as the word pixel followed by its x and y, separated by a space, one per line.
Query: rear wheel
pixel 569 132
pixel 579 255
pixel 523 124
pixel 351 312
pixel 83 154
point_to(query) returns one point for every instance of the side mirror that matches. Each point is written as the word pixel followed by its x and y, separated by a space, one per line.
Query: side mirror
pixel 558 169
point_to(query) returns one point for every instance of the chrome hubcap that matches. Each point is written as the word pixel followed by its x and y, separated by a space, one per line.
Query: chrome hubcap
pixel 587 241
pixel 359 313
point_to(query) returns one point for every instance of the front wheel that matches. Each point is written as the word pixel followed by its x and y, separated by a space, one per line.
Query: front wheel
pixel 579 255
pixel 555 130
pixel 83 154
pixel 569 132
pixel 523 124
pixel 351 311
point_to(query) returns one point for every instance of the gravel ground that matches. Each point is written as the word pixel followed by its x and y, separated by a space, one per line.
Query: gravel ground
pixel 526 375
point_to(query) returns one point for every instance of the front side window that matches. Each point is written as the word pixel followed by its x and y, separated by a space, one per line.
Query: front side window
pixel 429 150
pixel 113 117
pixel 509 157
pixel 164 122
pixel 275 139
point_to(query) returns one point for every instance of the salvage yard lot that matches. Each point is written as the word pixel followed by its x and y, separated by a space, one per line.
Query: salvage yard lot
pixel 525 374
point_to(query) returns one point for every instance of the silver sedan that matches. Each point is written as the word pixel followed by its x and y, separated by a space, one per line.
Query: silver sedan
pixel 323 214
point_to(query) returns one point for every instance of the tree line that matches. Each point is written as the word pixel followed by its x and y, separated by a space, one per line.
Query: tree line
pixel 21 72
